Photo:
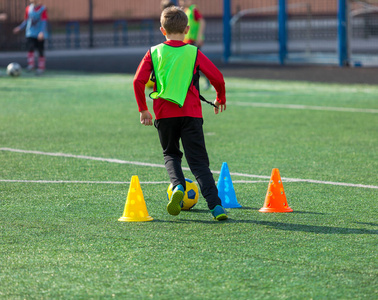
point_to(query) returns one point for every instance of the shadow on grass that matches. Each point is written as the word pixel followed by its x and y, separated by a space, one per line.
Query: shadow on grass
pixel 197 211
pixel 294 212
pixel 283 226
pixel 308 228
pixel 279 225
pixel 367 223
pixel 307 212
pixel 203 211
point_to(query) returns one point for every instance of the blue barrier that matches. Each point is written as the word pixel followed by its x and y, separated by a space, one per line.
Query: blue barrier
pixel 226 29
pixel 75 28
pixel 342 28
pixel 282 30
pixel 120 26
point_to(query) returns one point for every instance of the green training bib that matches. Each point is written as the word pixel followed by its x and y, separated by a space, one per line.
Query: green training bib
pixel 193 24
pixel 173 67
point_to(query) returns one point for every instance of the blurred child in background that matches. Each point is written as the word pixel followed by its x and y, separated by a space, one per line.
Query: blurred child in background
pixel 196 23
pixel 35 25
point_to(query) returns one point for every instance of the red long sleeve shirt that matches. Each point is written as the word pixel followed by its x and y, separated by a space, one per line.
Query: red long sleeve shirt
pixel 192 105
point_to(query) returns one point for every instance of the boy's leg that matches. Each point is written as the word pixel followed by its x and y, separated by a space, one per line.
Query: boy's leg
pixel 30 45
pixel 41 58
pixel 169 135
pixel 193 142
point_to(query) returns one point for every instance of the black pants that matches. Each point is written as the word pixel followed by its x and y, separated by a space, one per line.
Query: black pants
pixel 190 131
pixel 32 43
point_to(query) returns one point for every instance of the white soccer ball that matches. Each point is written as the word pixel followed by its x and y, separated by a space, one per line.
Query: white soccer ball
pixel 14 69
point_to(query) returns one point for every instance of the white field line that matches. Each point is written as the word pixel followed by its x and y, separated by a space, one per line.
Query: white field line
pixel 107 182
pixel 118 161
pixel 306 107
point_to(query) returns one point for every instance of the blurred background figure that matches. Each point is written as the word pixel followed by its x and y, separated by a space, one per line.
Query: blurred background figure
pixel 35 25
pixel 197 26
pixel 196 22
pixel 3 16
pixel 166 3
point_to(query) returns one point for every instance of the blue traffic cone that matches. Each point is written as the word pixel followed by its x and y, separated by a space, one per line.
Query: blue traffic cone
pixel 226 190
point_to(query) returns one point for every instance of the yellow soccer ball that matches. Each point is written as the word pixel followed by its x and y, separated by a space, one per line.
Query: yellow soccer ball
pixel 190 197
pixel 150 84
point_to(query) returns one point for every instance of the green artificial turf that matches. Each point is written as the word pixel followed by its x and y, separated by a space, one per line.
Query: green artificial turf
pixel 60 234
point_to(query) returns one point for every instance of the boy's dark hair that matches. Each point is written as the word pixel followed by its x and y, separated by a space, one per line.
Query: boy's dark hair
pixel 174 20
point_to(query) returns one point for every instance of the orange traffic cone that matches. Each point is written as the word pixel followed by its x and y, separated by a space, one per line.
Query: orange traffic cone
pixel 275 200
pixel 135 207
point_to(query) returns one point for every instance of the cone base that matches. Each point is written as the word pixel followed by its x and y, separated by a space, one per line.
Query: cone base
pixel 128 219
pixel 275 210
pixel 236 205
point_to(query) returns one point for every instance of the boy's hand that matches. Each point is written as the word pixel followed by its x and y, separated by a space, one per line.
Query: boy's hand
pixel 146 118
pixel 218 105
pixel 16 30
pixel 199 42
pixel 41 36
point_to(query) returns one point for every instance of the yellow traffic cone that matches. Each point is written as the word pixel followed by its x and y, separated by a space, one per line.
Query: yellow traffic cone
pixel 135 207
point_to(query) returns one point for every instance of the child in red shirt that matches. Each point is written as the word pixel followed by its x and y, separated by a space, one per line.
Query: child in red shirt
pixel 174 122
pixel 196 22
pixel 35 25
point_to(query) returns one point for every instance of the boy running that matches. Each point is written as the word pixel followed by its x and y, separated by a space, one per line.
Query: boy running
pixel 177 107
